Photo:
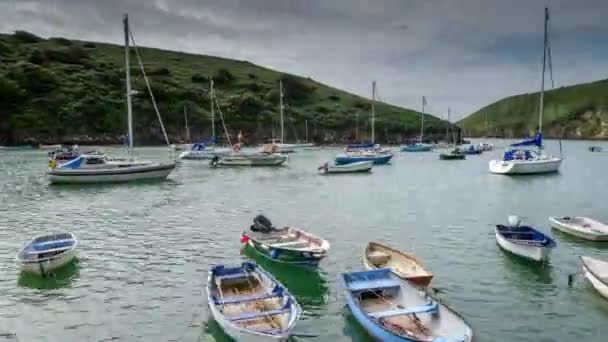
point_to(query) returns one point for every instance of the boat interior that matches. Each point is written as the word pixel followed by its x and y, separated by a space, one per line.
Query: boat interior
pixel 47 246
pixel 251 302
pixel 524 234
pixel 289 238
pixel 400 264
pixel 410 314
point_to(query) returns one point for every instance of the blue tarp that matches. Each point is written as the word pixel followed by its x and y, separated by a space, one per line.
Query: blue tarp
pixel 200 146
pixel 361 145
pixel 536 141
pixel 72 164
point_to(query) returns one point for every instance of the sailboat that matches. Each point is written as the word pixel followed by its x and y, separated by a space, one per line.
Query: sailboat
pixel 525 161
pixel 369 151
pixel 418 146
pixel 281 146
pixel 454 154
pixel 187 145
pixel 206 149
pixel 96 168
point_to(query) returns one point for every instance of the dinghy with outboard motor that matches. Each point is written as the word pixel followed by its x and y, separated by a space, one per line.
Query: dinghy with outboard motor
pixel 524 241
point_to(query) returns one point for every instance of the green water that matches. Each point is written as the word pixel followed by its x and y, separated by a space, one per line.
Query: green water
pixel 145 248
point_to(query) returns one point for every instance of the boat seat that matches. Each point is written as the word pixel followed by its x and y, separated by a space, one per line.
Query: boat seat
pixel 373 284
pixel 253 315
pixel 378 257
pixel 40 246
pixel 250 298
pixel 431 307
pixel 290 243
pixel 231 276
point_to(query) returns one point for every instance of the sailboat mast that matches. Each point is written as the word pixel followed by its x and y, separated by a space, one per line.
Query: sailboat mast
pixel 186 123
pixel 128 85
pixel 281 109
pixel 373 111
pixel 422 119
pixel 211 101
pixel 542 85
pixel 306 126
pixel 449 124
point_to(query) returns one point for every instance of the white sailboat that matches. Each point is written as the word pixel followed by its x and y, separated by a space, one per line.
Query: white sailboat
pixel 94 168
pixel 283 147
pixel 419 146
pixel 518 161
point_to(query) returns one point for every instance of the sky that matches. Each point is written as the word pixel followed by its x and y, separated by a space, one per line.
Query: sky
pixel 461 54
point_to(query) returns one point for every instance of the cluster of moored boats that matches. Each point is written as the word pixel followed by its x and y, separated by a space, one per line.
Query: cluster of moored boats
pixel 532 244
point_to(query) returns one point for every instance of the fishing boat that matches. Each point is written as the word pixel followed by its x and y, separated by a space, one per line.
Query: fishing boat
pixel 583 227
pixel 47 253
pixel 99 169
pixel 363 166
pixel 418 146
pixel 523 161
pixel 524 241
pixel 287 245
pixel 405 266
pixel 390 309
pixel 596 271
pixel 251 305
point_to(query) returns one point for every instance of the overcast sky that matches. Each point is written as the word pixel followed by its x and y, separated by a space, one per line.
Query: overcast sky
pixel 461 54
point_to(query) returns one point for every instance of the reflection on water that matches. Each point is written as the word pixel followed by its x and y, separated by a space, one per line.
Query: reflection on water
pixel 308 285
pixel 353 329
pixel 216 332
pixel 62 277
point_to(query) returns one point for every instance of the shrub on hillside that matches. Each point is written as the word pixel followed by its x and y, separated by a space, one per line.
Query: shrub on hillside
pixel 26 37
pixel 33 78
pixel 61 41
pixel 322 109
pixel 334 97
pixel 71 55
pixel 162 71
pixel 295 88
pixel 223 76
pixel 10 91
pixel 254 87
pixel 89 45
pixel 198 78
pixel 250 105
pixel 37 57
pixel 4 49
pixel 252 76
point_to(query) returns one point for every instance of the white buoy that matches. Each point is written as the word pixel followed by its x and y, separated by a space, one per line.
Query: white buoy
pixel 514 221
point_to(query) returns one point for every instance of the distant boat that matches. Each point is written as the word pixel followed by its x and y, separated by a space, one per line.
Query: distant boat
pixel 251 305
pixel 595 149
pixel 454 155
pixel 391 310
pixel 582 227
pixel 99 169
pixel 522 161
pixel 524 241
pixel 470 149
pixel 376 158
pixel 418 146
pixel 405 266
pixel 596 271
pixel 47 253
pixel 253 159
pixel 287 245
pixel 358 167
pixel 486 146
pixel 204 150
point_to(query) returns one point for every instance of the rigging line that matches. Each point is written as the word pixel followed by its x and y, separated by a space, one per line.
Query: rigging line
pixel 143 72
pixel 550 59
pixel 219 110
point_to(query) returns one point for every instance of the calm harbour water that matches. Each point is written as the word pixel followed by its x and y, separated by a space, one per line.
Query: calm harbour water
pixel 146 248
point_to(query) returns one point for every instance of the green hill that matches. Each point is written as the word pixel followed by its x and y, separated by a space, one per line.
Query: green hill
pixel 577 112
pixel 58 89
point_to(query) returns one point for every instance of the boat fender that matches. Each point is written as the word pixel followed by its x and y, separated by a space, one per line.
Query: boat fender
pixel 274 253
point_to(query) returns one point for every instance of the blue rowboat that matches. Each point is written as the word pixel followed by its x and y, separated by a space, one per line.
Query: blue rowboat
pixel 417 147
pixel 391 309
pixel 524 241
pixel 376 158
pixel 249 304
pixel 47 253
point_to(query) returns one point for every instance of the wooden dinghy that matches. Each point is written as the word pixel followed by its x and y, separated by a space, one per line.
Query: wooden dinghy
pixel 287 245
pixel 582 227
pixel 249 304
pixel 404 265
pixel 596 271
pixel 391 309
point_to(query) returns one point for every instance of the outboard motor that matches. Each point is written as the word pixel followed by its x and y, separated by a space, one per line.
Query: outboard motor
pixel 262 224
pixel 214 161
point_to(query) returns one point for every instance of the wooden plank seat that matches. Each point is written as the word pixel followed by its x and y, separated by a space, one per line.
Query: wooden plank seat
pixel 373 284
pixel 429 308
pixel 250 298
pixel 253 315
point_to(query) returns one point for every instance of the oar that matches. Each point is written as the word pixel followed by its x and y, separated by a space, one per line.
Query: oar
pixel 303 334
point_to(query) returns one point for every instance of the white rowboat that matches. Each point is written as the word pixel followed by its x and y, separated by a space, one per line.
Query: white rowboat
pixel 582 227
pixel 596 271
pixel 362 166
pixel 47 253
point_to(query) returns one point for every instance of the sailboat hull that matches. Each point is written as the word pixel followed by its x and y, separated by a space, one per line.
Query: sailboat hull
pixel 112 175
pixel 524 167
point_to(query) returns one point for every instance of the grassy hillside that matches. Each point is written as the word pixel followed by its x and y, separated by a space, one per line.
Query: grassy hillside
pixel 58 89
pixel 579 111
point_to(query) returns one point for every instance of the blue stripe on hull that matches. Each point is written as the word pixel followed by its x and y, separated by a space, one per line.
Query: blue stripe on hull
pixel 378 160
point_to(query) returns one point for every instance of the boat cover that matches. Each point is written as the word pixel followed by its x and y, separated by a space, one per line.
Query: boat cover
pixel 536 141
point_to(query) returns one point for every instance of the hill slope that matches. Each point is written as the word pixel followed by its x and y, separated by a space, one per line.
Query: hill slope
pixel 579 111
pixel 58 89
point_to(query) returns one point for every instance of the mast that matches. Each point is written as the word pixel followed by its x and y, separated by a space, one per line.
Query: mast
pixel 449 123
pixel 422 119
pixel 542 85
pixel 125 21
pixel 357 127
pixel 211 100
pixel 306 126
pixel 281 109
pixel 373 111
pixel 186 122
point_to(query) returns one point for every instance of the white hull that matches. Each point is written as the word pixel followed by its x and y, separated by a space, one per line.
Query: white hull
pixel 593 274
pixel 594 230
pixel 363 166
pixel 522 167
pixel 253 160
pixel 202 155
pixel 241 334
pixel 48 265
pixel 111 175
pixel 529 252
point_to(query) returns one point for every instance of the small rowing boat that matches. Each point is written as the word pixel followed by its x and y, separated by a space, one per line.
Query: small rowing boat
pixel 47 253
pixel 405 266
pixel 362 166
pixel 582 227
pixel 524 241
pixel 287 245
pixel 249 304
pixel 392 310
pixel 596 271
